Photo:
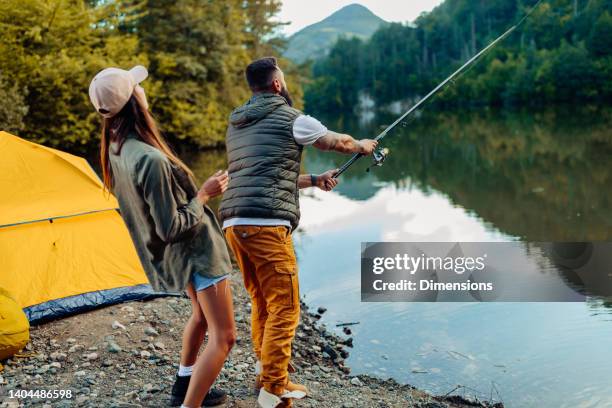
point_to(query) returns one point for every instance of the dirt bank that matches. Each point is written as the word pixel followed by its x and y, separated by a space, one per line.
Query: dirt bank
pixel 126 356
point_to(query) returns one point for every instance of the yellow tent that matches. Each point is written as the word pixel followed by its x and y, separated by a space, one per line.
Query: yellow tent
pixel 63 246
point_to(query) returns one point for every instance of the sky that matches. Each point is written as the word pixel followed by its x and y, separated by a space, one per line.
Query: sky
pixel 302 13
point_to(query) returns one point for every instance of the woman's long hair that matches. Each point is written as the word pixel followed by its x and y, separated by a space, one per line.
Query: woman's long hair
pixel 133 118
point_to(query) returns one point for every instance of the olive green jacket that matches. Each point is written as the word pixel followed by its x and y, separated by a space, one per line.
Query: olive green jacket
pixel 174 235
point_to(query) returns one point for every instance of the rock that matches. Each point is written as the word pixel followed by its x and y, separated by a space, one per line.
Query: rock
pixel 330 351
pixel 347 331
pixel 150 331
pixel 43 369
pixel 41 357
pixel 107 363
pixel 91 356
pixel 113 347
pixel 55 364
pixel 160 345
pixel 151 388
pixel 80 373
pixel 75 348
pixel 128 309
pixel 321 310
pixel 71 340
pixel 356 382
pixel 57 356
pixel 145 354
pixel 131 394
pixel 116 325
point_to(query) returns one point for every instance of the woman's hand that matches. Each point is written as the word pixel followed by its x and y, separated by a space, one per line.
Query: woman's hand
pixel 214 186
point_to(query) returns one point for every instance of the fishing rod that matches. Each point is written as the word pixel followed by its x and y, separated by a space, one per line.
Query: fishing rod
pixel 380 154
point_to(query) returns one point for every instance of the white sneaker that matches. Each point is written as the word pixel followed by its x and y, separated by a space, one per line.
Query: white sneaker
pixel 268 400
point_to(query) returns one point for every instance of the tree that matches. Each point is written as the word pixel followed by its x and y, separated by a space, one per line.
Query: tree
pixel 12 107
pixel 600 38
pixel 51 50
pixel 196 52
pixel 545 60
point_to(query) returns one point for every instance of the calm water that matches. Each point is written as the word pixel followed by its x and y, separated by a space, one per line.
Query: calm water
pixel 467 177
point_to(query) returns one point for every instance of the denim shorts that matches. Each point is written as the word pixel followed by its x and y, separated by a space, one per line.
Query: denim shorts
pixel 200 282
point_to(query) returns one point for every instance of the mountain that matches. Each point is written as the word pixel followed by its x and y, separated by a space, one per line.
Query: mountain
pixel 315 40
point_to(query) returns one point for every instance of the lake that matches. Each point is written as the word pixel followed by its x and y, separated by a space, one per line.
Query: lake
pixel 469 176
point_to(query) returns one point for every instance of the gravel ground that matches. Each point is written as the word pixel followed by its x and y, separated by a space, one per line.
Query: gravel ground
pixel 126 356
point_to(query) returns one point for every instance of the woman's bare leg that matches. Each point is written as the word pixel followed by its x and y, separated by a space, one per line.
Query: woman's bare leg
pixel 216 304
pixel 194 331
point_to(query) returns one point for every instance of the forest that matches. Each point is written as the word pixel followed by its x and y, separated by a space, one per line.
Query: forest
pixel 196 52
pixel 561 54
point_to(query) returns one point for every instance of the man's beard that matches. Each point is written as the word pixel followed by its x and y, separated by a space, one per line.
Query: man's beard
pixel 285 94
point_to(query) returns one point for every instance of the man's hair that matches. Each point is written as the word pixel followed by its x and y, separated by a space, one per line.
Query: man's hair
pixel 260 73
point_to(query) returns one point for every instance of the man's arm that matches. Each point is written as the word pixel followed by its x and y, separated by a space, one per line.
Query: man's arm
pixel 343 143
pixel 325 181
pixel 305 181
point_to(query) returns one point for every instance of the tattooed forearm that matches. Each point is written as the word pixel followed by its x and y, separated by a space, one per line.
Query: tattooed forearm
pixel 338 142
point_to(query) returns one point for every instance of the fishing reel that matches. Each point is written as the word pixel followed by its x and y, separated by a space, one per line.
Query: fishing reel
pixel 378 157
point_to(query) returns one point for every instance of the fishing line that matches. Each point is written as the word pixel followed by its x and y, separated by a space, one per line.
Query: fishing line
pixel 379 154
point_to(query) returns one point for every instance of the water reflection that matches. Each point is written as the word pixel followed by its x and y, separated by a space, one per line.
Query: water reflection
pixel 540 177
pixel 470 177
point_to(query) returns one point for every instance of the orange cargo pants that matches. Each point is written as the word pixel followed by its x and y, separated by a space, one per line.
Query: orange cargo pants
pixel 266 259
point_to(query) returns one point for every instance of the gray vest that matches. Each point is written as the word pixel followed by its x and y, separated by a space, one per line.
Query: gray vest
pixel 263 161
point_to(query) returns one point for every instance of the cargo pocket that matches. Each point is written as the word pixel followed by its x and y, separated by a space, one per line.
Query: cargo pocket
pixel 285 284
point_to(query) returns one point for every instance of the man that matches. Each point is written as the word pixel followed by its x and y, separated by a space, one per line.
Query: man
pixel 260 208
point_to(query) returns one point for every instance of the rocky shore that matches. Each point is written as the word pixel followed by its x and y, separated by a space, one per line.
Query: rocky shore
pixel 126 356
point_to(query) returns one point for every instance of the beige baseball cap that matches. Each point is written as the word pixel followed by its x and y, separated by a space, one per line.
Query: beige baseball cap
pixel 112 88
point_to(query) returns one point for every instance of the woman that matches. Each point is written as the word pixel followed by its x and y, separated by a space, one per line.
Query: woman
pixel 176 235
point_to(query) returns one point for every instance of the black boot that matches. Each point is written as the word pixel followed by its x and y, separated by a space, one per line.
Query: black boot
pixel 179 389
pixel 214 397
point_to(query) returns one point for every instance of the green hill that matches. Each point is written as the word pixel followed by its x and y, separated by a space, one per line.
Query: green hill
pixel 561 54
pixel 315 40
